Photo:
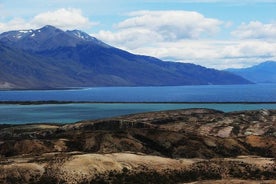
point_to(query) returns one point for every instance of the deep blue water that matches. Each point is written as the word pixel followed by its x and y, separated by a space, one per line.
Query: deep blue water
pixel 205 93
pixel 68 113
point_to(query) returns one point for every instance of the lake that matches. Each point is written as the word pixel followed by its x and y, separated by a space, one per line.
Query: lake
pixel 69 113
pixel 168 98
pixel 204 93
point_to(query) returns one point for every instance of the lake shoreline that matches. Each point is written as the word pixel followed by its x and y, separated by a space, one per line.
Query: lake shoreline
pixel 72 112
pixel 120 102
pixel 261 93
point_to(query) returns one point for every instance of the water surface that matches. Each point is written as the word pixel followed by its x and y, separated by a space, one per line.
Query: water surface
pixel 69 113
pixel 204 93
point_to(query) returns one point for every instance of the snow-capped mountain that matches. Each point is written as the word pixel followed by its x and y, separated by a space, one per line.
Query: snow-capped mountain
pixel 82 35
pixel 52 58
pixel 46 38
pixel 15 35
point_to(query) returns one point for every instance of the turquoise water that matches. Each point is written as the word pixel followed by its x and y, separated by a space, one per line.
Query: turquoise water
pixel 68 113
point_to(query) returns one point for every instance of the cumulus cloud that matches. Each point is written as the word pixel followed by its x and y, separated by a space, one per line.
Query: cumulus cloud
pixel 69 18
pixel 14 24
pixel 213 53
pixel 256 30
pixel 181 36
pixel 172 25
pixel 130 38
pixel 144 27
pixel 63 18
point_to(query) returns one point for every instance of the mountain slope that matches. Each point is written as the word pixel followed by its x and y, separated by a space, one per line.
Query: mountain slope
pixel 52 58
pixel 261 73
pixel 23 70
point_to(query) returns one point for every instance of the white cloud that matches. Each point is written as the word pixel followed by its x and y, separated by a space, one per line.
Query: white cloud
pixel 171 35
pixel 130 38
pixel 256 30
pixel 62 18
pixel 14 24
pixel 218 54
pixel 213 53
pixel 180 36
pixel 144 28
pixel 172 25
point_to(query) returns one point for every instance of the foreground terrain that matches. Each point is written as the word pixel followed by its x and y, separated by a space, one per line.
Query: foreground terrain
pixel 181 146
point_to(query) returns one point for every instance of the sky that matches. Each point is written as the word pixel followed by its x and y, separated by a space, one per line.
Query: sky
pixel 213 33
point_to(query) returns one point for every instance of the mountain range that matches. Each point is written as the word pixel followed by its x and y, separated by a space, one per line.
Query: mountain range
pixel 52 58
pixel 262 73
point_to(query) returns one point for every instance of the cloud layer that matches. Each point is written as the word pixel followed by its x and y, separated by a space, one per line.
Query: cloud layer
pixel 191 37
pixel 213 53
pixel 144 27
pixel 63 18
pixel 172 25
pixel 256 30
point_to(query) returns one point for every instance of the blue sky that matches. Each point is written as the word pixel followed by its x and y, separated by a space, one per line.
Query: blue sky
pixel 213 33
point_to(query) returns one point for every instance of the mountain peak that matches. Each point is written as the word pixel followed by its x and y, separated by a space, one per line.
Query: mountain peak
pixel 261 73
pixel 47 37
pixel 15 35
pixel 85 37
pixel 80 34
pixel 48 28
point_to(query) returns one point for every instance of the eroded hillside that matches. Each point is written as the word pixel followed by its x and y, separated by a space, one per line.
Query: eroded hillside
pixel 161 147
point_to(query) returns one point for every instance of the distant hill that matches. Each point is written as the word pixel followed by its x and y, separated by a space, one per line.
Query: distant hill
pixel 52 58
pixel 261 73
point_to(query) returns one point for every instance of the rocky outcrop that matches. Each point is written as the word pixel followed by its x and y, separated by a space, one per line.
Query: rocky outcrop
pixel 163 147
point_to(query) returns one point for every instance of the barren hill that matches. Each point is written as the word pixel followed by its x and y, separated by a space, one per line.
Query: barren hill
pixel 158 147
